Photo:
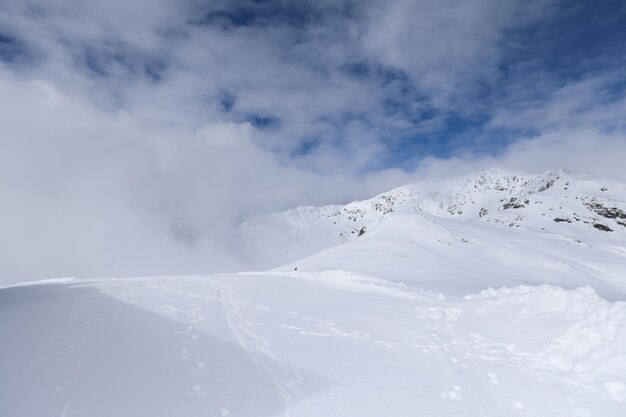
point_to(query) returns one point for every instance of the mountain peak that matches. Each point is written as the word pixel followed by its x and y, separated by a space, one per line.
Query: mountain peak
pixel 502 203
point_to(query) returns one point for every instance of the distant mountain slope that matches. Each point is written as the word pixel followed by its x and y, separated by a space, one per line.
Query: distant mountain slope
pixel 495 228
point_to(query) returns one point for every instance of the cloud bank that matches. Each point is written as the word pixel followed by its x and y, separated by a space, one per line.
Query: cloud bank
pixel 136 135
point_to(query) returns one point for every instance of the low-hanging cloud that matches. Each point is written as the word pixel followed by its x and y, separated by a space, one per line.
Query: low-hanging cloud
pixel 86 192
pixel 135 136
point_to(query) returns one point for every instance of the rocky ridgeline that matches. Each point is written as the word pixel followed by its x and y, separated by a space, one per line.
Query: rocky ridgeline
pixel 550 201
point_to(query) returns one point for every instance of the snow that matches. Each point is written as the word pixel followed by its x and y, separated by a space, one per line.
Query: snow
pixel 450 210
pixel 430 312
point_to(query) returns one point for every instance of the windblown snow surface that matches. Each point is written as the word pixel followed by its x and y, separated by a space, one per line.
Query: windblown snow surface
pixel 493 295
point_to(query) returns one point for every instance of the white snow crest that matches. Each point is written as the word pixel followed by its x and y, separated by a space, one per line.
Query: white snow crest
pixel 574 336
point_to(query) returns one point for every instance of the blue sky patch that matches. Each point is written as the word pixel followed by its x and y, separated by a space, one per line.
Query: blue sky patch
pixel 263 122
pixel 11 49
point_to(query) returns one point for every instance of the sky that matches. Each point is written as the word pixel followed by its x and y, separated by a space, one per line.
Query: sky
pixel 136 135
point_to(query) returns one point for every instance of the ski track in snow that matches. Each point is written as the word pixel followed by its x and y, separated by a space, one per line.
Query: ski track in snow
pixel 282 376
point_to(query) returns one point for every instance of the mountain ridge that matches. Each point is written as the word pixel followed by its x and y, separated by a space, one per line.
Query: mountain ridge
pixel 580 209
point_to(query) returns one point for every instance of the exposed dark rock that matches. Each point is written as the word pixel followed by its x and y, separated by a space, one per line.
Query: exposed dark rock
pixel 385 205
pixel 360 231
pixel 562 219
pixel 602 227
pixel 514 203
pixel 548 184
pixel 604 211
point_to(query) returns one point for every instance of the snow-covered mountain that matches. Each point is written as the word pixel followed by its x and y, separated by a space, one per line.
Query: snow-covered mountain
pixel 491 229
pixel 494 295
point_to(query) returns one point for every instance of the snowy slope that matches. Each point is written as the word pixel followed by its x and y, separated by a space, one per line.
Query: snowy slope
pixel 493 295
pixel 492 229
pixel 307 344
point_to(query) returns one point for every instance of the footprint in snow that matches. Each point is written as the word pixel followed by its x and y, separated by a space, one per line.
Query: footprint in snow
pixel 454 394
pixel 196 390
pixel 493 378
pixel 63 410
pixel 191 338
pixel 458 363
pixel 195 316
pixel 59 387
pixel 198 367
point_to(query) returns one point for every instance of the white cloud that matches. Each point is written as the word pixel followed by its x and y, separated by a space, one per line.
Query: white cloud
pixel 584 151
pixel 588 101
pixel 87 192
pixel 128 142
pixel 447 46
